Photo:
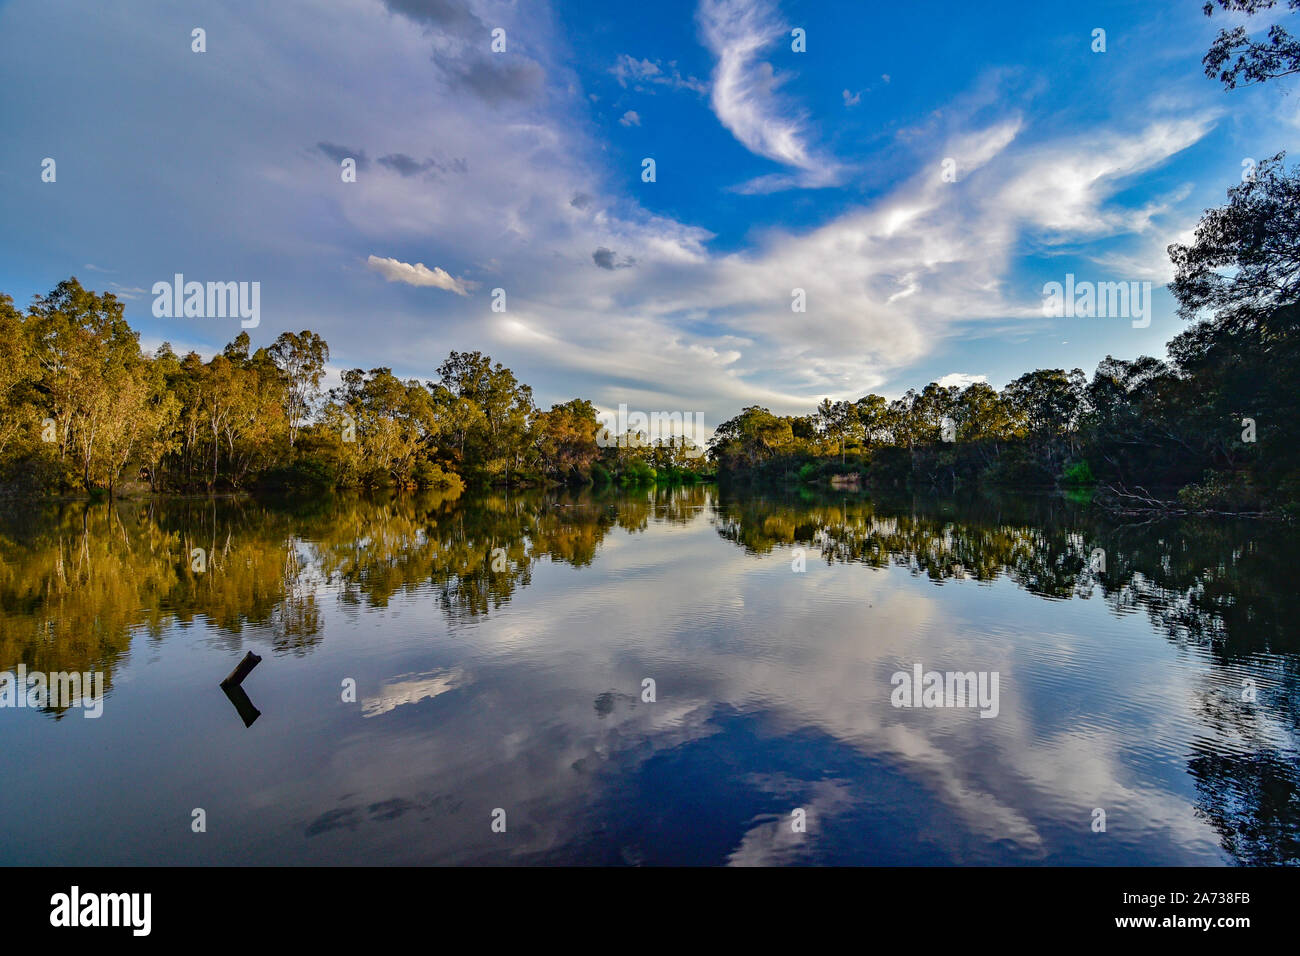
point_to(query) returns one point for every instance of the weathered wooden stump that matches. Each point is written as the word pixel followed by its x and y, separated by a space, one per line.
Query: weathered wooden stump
pixel 242 670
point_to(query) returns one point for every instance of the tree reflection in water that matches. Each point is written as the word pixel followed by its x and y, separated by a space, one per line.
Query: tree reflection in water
pixel 80 581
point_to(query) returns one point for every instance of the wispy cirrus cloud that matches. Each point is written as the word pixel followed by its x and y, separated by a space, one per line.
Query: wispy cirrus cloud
pixel 746 98
pixel 128 291
pixel 1061 188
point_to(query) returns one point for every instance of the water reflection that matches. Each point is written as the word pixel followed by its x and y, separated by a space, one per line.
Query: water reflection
pixel 500 644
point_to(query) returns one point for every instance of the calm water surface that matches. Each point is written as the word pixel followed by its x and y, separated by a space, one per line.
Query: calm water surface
pixel 513 679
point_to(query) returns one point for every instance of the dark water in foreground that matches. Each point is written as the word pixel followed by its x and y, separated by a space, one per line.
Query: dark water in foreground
pixel 521 688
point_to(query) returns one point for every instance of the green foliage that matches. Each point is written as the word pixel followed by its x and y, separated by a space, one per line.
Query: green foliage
pixel 1077 474
pixel 427 474
pixel 637 472
pixel 87 411
pixel 1221 491
pixel 305 472
pixel 564 441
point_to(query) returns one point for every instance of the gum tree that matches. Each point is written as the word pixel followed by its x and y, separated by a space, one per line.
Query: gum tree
pixel 301 358
pixel 1238 58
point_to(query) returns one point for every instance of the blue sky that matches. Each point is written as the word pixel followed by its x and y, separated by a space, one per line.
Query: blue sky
pixel 521 170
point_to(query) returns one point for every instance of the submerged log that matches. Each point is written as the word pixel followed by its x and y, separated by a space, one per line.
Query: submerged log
pixel 242 670
pixel 247 712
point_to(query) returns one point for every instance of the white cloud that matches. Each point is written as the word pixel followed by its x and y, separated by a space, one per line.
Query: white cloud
pixel 641 74
pixel 1149 259
pixel 745 97
pixel 630 118
pixel 1062 187
pixel 397 693
pixel 630 69
pixel 699 331
pixel 128 291
pixel 961 379
pixel 419 275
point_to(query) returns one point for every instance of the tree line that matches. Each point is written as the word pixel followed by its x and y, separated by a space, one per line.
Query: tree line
pixel 1216 424
pixel 87 410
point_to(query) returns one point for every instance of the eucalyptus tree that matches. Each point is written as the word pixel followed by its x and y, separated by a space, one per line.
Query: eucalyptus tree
pixel 1239 58
pixel 301 357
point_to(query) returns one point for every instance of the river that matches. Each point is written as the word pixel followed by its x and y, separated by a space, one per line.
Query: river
pixel 662 676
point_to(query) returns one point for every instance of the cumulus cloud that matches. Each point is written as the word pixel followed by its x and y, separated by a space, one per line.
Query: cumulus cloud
pixel 630 118
pixel 419 274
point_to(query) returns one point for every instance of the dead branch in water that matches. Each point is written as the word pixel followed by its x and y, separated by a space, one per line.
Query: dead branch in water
pixel 1122 501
